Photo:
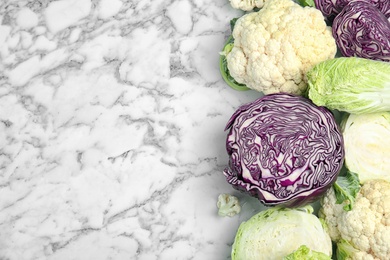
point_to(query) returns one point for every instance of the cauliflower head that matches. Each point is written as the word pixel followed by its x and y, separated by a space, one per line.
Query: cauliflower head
pixel 246 5
pixel 364 231
pixel 276 46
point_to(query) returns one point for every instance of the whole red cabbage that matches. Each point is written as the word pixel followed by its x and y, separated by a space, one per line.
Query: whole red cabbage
pixel 331 8
pixel 361 30
pixel 283 149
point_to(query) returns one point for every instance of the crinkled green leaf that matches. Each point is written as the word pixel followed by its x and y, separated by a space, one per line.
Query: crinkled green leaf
pixel 350 84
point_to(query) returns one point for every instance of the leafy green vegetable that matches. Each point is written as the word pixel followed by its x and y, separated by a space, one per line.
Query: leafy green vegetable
pixel 276 232
pixel 350 84
pixel 346 188
pixel 345 250
pixel 305 253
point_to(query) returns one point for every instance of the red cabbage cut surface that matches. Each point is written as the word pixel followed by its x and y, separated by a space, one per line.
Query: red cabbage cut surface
pixel 283 149
pixel 331 8
pixel 361 30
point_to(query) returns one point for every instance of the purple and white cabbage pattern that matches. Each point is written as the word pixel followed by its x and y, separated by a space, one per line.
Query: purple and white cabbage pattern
pixel 283 149
pixel 361 30
pixel 331 8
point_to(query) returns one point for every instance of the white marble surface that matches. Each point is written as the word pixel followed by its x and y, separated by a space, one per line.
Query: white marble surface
pixel 111 130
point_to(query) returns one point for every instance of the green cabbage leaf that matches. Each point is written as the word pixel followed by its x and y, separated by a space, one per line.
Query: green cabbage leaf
pixel 350 84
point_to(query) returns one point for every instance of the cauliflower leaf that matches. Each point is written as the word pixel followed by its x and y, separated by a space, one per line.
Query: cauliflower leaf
pixel 346 188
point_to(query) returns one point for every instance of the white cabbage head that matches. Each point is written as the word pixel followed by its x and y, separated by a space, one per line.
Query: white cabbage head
pixel 367 145
pixel 277 232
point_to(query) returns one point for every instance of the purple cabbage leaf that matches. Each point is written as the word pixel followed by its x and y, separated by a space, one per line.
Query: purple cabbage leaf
pixel 361 30
pixel 283 150
pixel 331 8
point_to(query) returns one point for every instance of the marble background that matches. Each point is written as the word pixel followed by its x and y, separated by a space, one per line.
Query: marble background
pixel 112 142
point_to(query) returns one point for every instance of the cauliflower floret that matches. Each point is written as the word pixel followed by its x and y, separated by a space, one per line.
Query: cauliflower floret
pixel 228 205
pixel 276 46
pixel 367 226
pixel 246 5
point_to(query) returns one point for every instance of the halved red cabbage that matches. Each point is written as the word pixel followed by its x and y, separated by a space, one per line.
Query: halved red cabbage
pixel 331 8
pixel 283 149
pixel 361 30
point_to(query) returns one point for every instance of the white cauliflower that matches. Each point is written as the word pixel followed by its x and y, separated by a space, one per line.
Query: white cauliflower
pixel 228 205
pixel 364 231
pixel 246 5
pixel 275 47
